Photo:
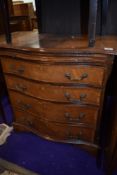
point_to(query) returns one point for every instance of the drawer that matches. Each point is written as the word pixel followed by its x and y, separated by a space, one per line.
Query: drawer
pixel 66 94
pixel 54 131
pixel 84 74
pixel 55 112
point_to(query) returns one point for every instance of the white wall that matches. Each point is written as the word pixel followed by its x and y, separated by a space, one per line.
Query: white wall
pixel 33 1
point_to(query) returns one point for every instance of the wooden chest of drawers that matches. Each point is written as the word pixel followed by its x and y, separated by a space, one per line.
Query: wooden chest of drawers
pixel 58 96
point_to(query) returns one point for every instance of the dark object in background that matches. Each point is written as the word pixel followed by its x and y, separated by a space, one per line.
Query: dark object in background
pixel 70 17
pixel 60 17
pixel 5 19
pixel 67 18
pixel 92 21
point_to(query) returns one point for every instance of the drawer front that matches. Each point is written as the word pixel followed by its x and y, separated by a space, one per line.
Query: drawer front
pixel 84 74
pixel 55 112
pixel 54 131
pixel 55 93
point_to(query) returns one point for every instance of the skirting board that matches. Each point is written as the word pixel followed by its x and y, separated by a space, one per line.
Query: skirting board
pixel 15 168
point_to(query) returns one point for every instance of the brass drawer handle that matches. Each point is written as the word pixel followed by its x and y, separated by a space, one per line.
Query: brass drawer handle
pixel 78 119
pixel 14 56
pixel 75 137
pixel 29 123
pixel 23 105
pixel 79 135
pixel 81 97
pixel 20 70
pixel 20 88
pixel 70 77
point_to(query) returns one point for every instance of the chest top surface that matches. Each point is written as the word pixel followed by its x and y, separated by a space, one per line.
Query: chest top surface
pixel 33 42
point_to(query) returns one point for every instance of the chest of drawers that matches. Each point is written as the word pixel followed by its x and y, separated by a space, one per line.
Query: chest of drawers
pixel 57 95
